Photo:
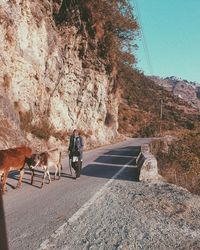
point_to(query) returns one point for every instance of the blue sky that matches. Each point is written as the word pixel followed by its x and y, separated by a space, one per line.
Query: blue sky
pixel 172 32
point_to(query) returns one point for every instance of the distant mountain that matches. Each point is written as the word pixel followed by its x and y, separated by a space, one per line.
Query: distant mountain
pixel 188 91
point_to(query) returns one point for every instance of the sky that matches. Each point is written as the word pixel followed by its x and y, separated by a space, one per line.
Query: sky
pixel 171 31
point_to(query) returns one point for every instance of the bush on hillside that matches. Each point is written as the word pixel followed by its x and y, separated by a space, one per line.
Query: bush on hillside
pixel 181 163
pixel 141 92
pixel 110 27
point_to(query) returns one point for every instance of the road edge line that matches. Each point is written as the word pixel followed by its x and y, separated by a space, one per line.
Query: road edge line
pixel 82 209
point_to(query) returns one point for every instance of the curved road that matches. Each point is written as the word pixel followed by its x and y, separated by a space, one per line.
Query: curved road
pixel 32 214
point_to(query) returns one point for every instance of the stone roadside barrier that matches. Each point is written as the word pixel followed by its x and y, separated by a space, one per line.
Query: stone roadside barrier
pixel 147 165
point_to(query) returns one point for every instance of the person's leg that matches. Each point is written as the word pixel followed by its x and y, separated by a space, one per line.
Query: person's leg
pixel 79 164
pixel 81 155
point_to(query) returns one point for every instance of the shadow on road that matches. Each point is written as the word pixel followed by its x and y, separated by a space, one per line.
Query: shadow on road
pixel 105 166
pixel 111 162
pixel 67 176
pixel 131 151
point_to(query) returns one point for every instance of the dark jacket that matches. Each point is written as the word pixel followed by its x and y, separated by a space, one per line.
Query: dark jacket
pixel 76 145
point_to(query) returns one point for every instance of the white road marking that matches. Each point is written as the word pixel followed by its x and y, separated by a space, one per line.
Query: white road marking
pixel 114 165
pixel 46 245
pixel 120 156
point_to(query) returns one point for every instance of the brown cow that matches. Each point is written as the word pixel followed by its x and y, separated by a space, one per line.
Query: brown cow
pixel 13 159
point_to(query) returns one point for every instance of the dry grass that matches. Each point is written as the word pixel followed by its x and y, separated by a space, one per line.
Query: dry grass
pixel 37 13
pixel 25 119
pixel 188 180
pixel 43 129
pixel 131 119
pixel 9 35
pixel 62 136
pixel 139 112
pixel 86 133
pixel 6 81
pixel 12 1
pixel 179 161
pixel 109 120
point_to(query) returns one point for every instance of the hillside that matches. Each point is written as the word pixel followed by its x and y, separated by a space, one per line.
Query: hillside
pixel 140 110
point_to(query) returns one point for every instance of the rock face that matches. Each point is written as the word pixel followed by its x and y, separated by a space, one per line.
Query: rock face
pixel 10 132
pixel 188 91
pixel 46 81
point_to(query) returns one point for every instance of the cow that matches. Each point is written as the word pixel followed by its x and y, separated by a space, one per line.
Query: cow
pixel 46 160
pixel 13 159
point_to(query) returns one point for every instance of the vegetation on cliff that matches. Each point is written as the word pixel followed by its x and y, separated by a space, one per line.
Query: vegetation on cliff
pixel 179 160
pixel 109 26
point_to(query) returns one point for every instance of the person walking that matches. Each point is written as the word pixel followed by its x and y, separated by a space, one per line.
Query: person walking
pixel 76 150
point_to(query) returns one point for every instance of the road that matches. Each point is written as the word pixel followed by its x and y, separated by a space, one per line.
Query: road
pixel 32 214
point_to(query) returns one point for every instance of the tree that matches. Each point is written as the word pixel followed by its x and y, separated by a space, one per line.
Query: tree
pixel 111 23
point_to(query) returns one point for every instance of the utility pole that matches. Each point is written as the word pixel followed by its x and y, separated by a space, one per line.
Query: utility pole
pixel 161 109
pixel 161 114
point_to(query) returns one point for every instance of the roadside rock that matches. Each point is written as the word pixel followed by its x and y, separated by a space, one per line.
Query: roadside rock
pixel 148 166
pixel 149 169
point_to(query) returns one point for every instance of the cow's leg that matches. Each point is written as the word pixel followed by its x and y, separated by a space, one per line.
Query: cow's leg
pixel 46 172
pixel 2 177
pixel 59 170
pixel 5 176
pixel 20 178
pixel 49 175
pixel 32 176
pixel 56 171
pixel 44 176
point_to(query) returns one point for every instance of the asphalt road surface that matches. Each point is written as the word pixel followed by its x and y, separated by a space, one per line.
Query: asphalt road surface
pixel 32 213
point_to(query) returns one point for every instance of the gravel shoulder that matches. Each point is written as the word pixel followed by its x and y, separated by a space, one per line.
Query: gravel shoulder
pixel 135 215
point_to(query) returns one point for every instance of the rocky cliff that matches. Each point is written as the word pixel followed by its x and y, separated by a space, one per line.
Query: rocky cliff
pixel 51 80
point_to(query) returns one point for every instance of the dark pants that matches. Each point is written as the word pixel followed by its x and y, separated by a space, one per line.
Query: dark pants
pixel 76 153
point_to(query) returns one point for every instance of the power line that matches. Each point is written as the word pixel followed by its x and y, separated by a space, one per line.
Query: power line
pixel 148 58
pixel 144 43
